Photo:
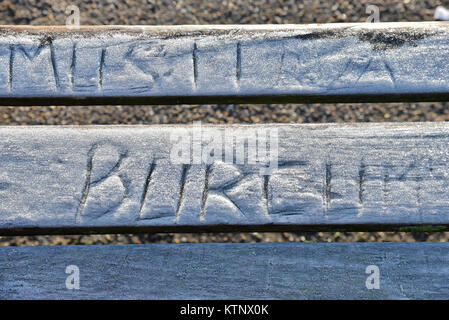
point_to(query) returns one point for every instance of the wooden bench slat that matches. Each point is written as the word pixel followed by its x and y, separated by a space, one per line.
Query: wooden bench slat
pixel 224 64
pixel 127 179
pixel 227 271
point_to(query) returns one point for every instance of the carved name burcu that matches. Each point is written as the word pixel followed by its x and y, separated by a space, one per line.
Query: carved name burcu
pixel 222 192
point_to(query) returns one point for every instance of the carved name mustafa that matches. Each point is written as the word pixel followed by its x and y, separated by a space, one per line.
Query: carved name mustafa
pixel 114 64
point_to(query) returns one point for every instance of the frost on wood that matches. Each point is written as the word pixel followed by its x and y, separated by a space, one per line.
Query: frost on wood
pixel 227 271
pixel 370 174
pixel 185 62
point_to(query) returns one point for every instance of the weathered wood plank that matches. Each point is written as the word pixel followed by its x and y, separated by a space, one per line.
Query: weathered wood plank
pixel 228 271
pixel 224 64
pixel 194 178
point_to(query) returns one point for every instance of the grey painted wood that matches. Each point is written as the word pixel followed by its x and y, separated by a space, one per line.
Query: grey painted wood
pixel 227 271
pixel 314 177
pixel 218 64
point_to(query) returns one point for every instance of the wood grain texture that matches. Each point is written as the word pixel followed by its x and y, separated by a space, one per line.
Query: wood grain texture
pixel 224 64
pixel 321 177
pixel 227 271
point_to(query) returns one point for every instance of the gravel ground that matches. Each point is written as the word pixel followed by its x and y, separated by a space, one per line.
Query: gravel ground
pixel 164 12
